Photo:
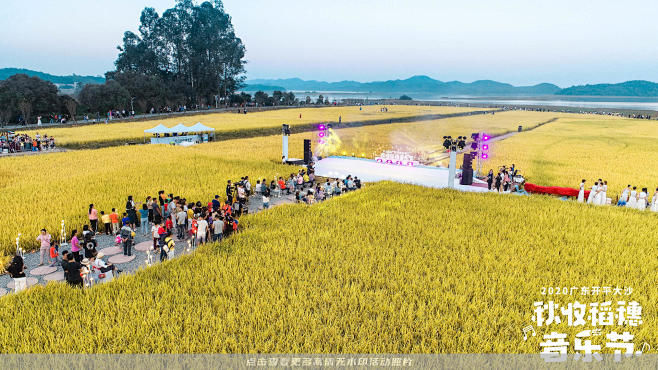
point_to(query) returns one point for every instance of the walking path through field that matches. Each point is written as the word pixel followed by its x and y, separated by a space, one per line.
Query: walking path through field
pixel 435 159
pixel 54 150
pixel 114 253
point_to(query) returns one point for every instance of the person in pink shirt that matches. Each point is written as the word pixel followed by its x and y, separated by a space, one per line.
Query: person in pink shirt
pixel 44 239
pixel 75 246
pixel 93 218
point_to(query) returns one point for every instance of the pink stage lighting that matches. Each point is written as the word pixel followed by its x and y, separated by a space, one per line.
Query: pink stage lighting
pixel 379 160
pixel 321 134
pixel 410 164
pixel 485 147
pixel 486 137
pixel 321 127
pixel 485 156
pixel 388 161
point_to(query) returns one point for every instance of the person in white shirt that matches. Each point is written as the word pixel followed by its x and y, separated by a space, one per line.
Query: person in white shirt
pixel 202 231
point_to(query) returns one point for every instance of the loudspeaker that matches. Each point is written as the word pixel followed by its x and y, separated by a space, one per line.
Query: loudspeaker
pixel 467 177
pixel 468 161
pixel 308 154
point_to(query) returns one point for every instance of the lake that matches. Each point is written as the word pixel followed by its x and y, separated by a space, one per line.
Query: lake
pixel 591 102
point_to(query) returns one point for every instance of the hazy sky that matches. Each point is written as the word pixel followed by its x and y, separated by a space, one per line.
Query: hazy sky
pixel 515 41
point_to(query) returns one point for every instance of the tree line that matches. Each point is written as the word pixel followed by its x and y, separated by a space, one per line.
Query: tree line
pixel 187 57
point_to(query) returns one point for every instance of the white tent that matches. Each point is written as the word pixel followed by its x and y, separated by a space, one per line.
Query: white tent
pixel 159 129
pixel 180 128
pixel 200 127
pixel 180 133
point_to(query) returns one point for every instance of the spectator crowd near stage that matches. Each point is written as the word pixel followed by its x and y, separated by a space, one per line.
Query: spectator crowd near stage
pixel 167 218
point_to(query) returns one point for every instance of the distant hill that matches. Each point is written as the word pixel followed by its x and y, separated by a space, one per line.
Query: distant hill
pixel 261 87
pixel 628 88
pixel 420 85
pixel 57 80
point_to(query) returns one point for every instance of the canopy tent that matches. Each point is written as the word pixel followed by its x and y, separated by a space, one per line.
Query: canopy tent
pixel 180 128
pixel 159 129
pixel 200 127
pixel 195 133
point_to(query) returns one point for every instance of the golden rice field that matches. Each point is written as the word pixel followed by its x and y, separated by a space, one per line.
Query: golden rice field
pixel 64 184
pixel 621 151
pixel 231 124
pixel 393 269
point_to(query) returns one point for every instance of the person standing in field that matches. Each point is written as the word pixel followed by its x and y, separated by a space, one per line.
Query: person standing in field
pixel 44 239
pixel 642 200
pixel 181 220
pixel 490 179
pixel 17 272
pixel 144 219
pixel 581 192
pixel 107 223
pixel 654 202
pixel 132 212
pixel 114 217
pixel 93 218
pixel 632 199
pixel 604 194
pixel 127 240
pixel 202 230
pixel 592 193
pixel 73 277
pixel 75 245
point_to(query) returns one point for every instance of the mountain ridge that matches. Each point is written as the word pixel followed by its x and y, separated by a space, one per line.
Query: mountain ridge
pixel 58 80
pixel 418 84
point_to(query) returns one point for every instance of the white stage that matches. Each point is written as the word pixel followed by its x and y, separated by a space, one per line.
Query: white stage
pixel 369 170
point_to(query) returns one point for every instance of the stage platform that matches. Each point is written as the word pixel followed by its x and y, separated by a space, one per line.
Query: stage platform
pixel 369 170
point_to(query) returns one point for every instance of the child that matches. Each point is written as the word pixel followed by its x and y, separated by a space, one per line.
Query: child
pixel 114 217
pixel 126 220
pixel 107 222
pixel 156 235
pixel 54 253
pixel 169 224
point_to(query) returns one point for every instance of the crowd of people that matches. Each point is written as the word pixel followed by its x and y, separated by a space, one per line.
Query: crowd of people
pixel 11 142
pixel 630 197
pixel 166 218
pixel 507 180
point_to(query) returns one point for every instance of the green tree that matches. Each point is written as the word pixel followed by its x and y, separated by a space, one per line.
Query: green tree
pixel 261 98
pixel 277 97
pixel 106 97
pixel 27 97
pixel 192 47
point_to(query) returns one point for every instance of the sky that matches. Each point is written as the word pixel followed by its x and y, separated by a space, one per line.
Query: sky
pixel 519 42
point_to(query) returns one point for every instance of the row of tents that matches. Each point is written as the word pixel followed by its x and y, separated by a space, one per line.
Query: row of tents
pixel 179 129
